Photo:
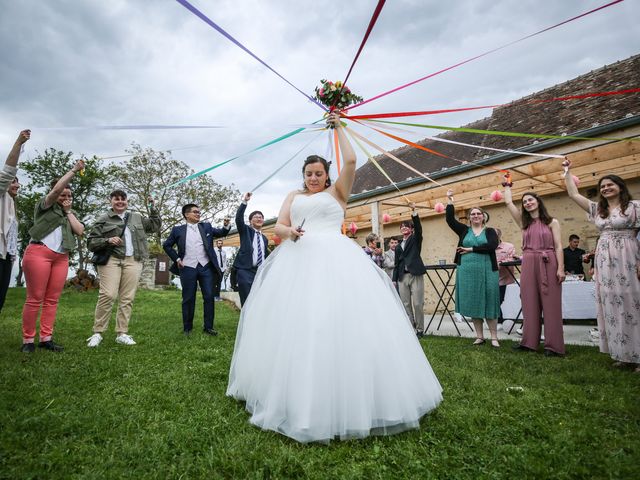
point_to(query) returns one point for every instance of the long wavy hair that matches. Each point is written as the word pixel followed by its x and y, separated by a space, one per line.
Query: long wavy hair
pixel 625 196
pixel 543 215
pixel 316 159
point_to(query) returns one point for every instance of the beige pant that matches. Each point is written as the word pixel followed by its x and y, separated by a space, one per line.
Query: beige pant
pixel 118 278
pixel 411 289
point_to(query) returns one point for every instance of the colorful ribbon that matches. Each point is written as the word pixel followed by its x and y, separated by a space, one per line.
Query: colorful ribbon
pixel 452 110
pixel 372 22
pixel 377 165
pixel 462 162
pixel 285 163
pixel 504 133
pixel 264 145
pixel 220 30
pixel 134 127
pixel 481 147
pixel 391 156
pixel 486 53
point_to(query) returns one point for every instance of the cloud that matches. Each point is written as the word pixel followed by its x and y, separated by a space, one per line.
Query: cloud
pixel 74 63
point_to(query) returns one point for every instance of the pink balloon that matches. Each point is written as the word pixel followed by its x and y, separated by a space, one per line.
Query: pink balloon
pixel 386 218
pixel 439 207
pixel 496 195
pixel 576 180
pixel 353 228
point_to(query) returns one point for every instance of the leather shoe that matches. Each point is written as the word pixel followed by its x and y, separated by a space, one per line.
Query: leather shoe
pixel 551 353
pixel 51 346
pixel 521 348
pixel 210 331
pixel 28 348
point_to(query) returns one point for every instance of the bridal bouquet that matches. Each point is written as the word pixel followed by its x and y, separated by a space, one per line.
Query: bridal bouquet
pixel 335 96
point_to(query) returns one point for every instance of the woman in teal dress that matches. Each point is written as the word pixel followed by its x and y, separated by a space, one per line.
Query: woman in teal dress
pixel 477 290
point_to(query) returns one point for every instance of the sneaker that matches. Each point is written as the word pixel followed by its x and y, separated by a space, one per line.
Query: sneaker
pixel 519 331
pixel 51 346
pixel 94 340
pixel 28 348
pixel 124 339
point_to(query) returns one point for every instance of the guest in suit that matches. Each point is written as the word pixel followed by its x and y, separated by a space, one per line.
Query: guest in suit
pixel 221 256
pixel 389 262
pixel 196 263
pixel 409 270
pixel 253 248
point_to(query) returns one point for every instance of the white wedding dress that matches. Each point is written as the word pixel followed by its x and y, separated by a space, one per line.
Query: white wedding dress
pixel 324 347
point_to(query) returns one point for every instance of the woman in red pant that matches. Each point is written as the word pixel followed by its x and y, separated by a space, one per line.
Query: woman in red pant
pixel 542 273
pixel 46 261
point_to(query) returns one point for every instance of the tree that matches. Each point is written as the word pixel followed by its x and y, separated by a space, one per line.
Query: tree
pixel 150 173
pixel 89 192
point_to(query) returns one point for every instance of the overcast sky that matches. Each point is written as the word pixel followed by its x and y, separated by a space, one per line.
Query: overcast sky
pixel 85 63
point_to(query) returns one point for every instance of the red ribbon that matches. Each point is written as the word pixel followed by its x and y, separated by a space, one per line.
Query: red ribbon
pixel 487 53
pixel 530 102
pixel 372 22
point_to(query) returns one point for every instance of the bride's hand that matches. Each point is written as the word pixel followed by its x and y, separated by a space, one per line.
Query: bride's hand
pixel 333 120
pixel 295 233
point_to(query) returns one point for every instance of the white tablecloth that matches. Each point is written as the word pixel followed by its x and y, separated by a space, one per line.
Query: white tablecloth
pixel 578 300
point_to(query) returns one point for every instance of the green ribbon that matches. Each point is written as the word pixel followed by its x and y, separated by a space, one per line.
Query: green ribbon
pixel 264 145
pixel 498 132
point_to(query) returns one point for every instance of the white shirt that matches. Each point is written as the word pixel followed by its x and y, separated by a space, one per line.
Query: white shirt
pixel 194 253
pixel 221 255
pixel 258 238
pixel 53 241
pixel 128 242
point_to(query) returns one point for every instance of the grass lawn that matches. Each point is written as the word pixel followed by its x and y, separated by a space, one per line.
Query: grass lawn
pixel 158 409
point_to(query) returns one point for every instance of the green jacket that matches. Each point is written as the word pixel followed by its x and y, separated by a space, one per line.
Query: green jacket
pixel 46 220
pixel 110 225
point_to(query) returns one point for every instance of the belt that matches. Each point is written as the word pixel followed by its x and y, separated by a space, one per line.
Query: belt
pixel 33 242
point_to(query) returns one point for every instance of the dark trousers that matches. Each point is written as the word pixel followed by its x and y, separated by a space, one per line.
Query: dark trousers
pixel 503 292
pixel 6 265
pixel 245 280
pixel 217 284
pixel 190 278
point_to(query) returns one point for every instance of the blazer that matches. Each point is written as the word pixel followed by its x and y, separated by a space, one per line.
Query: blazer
pixel 408 258
pixel 461 229
pixel 244 257
pixel 178 237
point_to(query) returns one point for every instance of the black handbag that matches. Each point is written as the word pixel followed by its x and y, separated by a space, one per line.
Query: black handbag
pixel 101 257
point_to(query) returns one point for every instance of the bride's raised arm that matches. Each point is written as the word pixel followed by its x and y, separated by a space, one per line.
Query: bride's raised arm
pixel 348 174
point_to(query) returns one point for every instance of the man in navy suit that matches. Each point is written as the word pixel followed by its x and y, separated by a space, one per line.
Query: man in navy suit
pixel 195 262
pixel 409 271
pixel 253 248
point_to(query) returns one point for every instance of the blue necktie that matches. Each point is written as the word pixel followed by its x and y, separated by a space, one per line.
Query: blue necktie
pixel 259 261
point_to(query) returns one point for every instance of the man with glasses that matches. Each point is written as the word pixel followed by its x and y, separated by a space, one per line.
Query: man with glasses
pixel 196 263
pixel 253 248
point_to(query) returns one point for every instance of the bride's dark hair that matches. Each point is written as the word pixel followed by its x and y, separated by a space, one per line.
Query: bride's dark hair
pixel 316 159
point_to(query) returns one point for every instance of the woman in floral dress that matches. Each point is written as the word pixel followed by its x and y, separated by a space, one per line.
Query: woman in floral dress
pixel 617 266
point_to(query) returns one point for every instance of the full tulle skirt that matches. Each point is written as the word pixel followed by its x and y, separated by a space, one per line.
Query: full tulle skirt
pixel 324 348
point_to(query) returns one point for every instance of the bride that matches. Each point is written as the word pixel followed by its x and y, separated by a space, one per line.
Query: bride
pixel 324 348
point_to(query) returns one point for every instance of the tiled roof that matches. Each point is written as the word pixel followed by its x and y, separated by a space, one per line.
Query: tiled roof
pixel 553 118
